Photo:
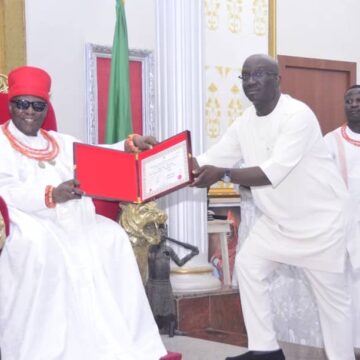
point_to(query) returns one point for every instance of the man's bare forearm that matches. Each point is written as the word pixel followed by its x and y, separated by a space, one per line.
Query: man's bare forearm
pixel 251 176
pixel 207 175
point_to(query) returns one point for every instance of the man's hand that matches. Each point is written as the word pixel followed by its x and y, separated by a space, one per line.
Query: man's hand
pixel 66 191
pixel 144 142
pixel 207 175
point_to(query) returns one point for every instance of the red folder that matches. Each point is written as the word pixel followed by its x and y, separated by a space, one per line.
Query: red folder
pixel 117 175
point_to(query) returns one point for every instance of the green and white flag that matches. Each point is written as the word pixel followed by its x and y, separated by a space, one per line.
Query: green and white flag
pixel 118 121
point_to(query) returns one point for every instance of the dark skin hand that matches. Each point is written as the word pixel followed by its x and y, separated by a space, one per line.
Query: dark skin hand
pixel 142 142
pixel 207 175
pixel 68 190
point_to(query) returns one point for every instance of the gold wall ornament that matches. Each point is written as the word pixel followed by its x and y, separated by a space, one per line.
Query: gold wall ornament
pixel 141 223
pixel 2 232
pixel 235 90
pixel 235 108
pixel 212 112
pixel 234 11
pixel 260 11
pixel 223 71
pixel 3 83
pixel 212 8
pixel 213 128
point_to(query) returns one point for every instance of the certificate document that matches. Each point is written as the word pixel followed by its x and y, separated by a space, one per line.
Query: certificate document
pixel 118 175
pixel 165 170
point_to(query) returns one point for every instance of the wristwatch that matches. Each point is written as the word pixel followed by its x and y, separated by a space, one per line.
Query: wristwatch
pixel 227 176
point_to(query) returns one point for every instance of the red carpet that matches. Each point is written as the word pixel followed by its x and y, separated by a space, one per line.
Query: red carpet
pixel 172 356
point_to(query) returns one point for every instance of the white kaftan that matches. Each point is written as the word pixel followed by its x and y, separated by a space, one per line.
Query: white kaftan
pixel 347 157
pixel 303 221
pixel 70 288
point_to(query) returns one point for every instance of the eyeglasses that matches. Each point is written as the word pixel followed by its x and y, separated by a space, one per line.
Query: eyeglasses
pixel 256 75
pixel 22 104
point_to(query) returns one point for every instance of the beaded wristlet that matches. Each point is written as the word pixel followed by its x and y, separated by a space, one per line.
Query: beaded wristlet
pixel 49 201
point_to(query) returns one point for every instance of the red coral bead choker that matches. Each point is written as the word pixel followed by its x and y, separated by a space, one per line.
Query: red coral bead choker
pixel 49 153
pixel 347 137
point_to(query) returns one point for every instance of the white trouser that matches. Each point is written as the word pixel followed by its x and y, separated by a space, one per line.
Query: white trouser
pixel 331 292
pixel 355 292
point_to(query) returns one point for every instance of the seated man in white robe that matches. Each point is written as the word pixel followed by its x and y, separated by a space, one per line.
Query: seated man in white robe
pixel 344 145
pixel 70 288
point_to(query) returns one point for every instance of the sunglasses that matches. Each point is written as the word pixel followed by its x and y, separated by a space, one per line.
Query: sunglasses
pixel 22 104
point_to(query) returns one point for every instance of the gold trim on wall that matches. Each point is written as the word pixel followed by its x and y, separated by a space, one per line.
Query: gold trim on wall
pixel 272 29
pixel 12 34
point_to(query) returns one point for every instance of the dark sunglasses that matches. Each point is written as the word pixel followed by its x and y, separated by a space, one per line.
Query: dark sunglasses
pixel 22 104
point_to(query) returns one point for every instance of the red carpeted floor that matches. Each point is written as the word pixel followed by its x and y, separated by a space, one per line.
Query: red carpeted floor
pixel 172 356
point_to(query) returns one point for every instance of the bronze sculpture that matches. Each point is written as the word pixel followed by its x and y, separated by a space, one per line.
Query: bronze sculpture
pixel 145 226
pixel 141 222
pixel 158 286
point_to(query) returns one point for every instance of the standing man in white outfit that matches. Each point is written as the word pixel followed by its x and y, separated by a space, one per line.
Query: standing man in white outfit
pixel 344 145
pixel 70 288
pixel 302 198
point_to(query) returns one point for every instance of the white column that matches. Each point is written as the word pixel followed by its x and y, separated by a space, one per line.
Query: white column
pixel 180 106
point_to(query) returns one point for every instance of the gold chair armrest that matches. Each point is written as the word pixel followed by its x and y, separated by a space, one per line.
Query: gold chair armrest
pixel 3 83
pixel 2 232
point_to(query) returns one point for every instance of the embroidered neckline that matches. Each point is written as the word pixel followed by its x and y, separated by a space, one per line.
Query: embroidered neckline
pixel 346 136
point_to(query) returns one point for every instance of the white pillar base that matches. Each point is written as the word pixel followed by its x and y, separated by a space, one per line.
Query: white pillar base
pixel 194 277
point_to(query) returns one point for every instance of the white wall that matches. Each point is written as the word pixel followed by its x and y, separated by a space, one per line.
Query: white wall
pixel 57 32
pixel 325 29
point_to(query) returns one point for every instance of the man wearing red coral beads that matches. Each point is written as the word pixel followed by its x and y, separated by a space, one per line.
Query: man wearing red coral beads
pixel 344 145
pixel 69 282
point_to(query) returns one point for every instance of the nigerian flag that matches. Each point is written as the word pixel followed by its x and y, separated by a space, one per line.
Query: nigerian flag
pixel 118 121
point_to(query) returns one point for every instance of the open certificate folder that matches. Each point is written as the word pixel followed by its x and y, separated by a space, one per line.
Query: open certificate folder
pixel 117 175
